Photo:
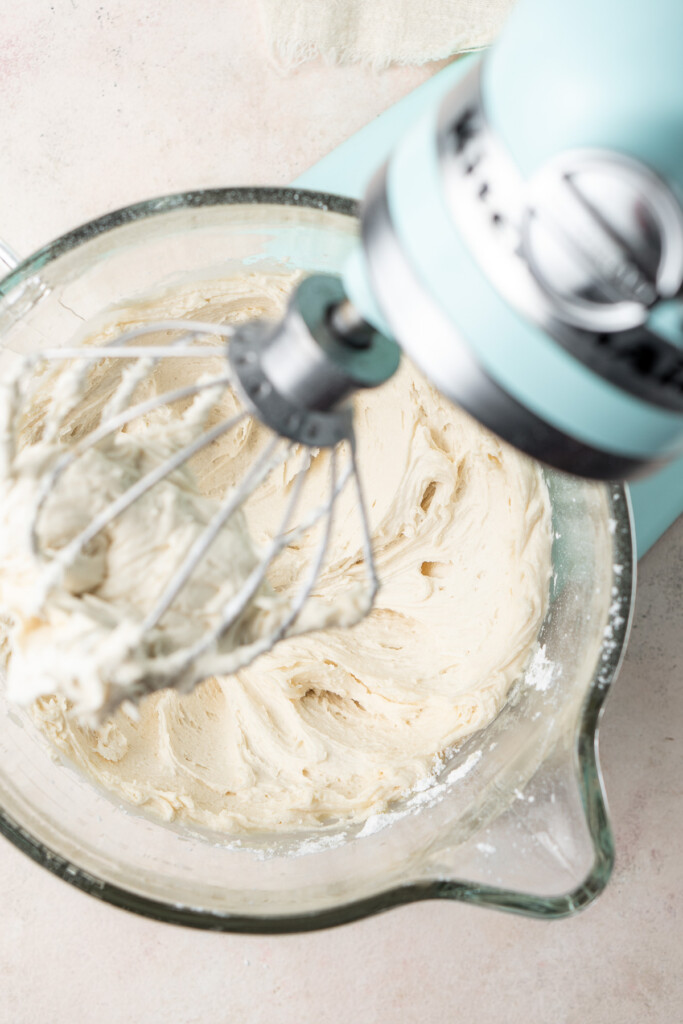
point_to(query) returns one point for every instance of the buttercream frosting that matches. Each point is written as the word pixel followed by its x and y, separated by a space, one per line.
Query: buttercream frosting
pixel 334 724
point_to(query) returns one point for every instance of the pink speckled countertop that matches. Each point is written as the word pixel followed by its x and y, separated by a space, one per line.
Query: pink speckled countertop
pixel 105 104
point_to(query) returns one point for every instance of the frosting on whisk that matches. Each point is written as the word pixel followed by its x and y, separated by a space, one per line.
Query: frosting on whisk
pixel 117 574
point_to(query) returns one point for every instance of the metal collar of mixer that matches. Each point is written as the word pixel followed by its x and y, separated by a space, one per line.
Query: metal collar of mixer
pixel 296 374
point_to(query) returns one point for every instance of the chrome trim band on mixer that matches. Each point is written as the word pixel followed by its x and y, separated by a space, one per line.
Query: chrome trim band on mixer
pixel 432 341
pixel 584 250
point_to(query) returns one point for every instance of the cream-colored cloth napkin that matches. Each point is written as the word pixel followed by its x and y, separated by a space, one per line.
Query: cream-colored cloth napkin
pixel 378 32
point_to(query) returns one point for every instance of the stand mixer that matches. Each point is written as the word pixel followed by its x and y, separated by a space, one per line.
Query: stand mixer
pixel 526 827
pixel 523 244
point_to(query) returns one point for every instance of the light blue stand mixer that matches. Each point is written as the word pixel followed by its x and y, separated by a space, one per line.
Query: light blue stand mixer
pixel 522 242
pixel 524 239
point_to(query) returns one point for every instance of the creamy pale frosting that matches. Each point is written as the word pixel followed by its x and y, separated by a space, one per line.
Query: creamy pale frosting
pixel 337 724
pixel 79 624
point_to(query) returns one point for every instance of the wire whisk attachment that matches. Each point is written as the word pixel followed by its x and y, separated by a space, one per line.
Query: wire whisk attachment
pixel 126 571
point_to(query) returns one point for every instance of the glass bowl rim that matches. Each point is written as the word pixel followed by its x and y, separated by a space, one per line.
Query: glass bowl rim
pixel 589 780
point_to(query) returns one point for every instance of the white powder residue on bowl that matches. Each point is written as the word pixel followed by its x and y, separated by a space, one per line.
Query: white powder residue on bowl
pixel 540 672
pixel 426 792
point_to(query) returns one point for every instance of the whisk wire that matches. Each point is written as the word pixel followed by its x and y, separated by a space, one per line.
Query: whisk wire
pixel 188 665
pixel 366 541
pixel 107 427
pixel 141 352
pixel 236 605
pixel 116 348
pixel 67 555
pixel 133 376
pixel 72 380
pixel 236 497
pixel 317 564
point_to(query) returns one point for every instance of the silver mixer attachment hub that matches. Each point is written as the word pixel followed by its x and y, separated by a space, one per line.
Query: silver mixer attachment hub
pixel 296 374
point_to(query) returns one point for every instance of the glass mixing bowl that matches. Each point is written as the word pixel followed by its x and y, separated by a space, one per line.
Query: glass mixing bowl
pixel 517 819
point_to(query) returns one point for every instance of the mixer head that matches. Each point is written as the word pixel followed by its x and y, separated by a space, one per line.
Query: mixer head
pixel 280 389
pixel 546 304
